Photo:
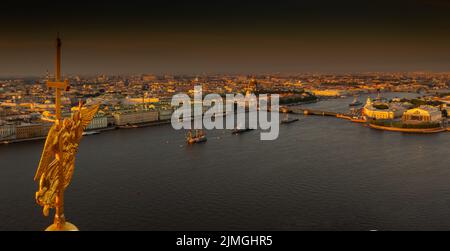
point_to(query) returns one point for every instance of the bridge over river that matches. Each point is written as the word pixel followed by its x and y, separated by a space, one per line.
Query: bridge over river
pixel 305 111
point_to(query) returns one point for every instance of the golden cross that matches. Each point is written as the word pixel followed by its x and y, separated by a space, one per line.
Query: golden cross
pixel 58 84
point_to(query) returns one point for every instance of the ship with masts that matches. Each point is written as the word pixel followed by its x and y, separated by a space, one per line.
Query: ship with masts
pixel 196 136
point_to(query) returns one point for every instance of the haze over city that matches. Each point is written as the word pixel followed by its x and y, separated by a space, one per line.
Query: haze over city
pixel 225 37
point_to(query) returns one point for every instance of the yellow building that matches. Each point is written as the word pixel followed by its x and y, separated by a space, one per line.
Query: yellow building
pixel 26 131
pixel 370 111
pixel 327 92
pixel 135 117
pixel 378 114
pixel 422 114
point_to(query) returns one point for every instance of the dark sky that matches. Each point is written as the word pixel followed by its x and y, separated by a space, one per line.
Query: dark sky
pixel 225 36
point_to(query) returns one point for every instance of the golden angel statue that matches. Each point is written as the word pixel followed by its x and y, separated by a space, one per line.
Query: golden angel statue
pixel 58 161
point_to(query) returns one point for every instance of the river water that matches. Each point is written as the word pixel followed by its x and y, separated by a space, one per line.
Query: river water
pixel 322 173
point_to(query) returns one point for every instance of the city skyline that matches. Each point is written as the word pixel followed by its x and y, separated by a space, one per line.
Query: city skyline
pixel 232 37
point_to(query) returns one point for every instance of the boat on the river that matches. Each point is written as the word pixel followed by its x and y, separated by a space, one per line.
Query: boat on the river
pixel 355 102
pixel 287 120
pixel 198 136
pixel 358 120
pixel 241 130
pixel 88 133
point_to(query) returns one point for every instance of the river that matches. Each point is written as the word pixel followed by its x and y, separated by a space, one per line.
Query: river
pixel 322 173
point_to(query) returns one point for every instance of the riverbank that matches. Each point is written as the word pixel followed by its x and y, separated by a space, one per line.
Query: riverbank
pixel 155 123
pixel 409 130
pixel 5 142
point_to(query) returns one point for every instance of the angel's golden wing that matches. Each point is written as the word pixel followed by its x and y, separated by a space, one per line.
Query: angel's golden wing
pixel 48 154
pixel 47 172
pixel 87 115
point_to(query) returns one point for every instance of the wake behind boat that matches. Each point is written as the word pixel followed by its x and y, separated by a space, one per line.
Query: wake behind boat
pixel 287 120
pixel 239 131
